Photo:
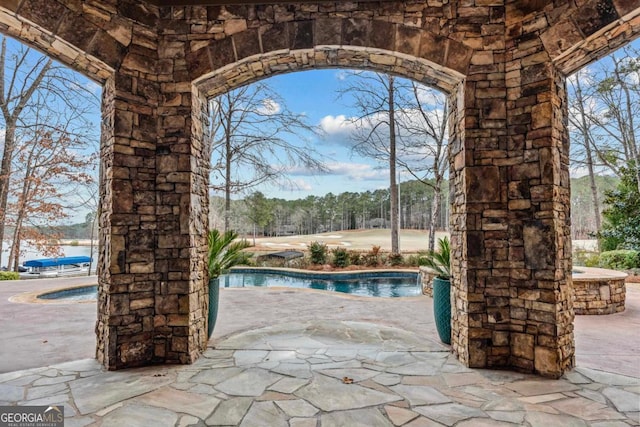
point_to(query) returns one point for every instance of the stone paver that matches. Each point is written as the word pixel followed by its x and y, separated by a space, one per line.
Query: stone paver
pixel 624 401
pixel 140 416
pixel 343 376
pixel 230 412
pixel 399 416
pixel 252 382
pixel 264 414
pixel 330 394
pixel 420 395
pixel 297 408
pixel 355 418
pixel 196 404
pixel 449 413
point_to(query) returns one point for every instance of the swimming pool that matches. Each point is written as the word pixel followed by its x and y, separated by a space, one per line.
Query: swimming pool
pixel 390 284
pixel 82 293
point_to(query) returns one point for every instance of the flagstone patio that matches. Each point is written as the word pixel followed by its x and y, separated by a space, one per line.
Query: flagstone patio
pixel 304 358
pixel 325 373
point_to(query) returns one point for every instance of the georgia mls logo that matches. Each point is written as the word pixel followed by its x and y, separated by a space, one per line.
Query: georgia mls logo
pixel 32 416
pixel 55 412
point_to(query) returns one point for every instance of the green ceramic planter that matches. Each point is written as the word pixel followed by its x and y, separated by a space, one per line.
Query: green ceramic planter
pixel 214 296
pixel 442 308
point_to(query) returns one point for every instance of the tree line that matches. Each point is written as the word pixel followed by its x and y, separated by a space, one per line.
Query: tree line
pixel 258 215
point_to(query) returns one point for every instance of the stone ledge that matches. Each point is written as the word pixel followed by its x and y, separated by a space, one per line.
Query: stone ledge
pixel 598 291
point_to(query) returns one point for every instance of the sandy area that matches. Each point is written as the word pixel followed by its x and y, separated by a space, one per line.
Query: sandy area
pixel 410 240
pixel 361 240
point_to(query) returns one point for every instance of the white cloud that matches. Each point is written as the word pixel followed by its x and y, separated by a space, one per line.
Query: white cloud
pixel 584 77
pixel 296 185
pixel 340 124
pixel 352 171
pixel 342 75
pixel 430 96
pixel 268 107
pixel 358 171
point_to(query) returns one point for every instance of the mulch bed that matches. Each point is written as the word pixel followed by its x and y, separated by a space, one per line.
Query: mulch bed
pixel 633 278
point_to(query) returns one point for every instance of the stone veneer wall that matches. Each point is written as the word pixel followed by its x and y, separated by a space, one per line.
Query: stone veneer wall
pixel 605 296
pixel 594 295
pixel 502 64
pixel 599 291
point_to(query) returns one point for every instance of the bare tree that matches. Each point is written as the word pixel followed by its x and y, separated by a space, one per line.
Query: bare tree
pixel 425 150
pixel 256 139
pixel 30 82
pixel 374 98
pixel 402 124
pixel 53 158
pixel 19 79
pixel 582 129
pixel 618 106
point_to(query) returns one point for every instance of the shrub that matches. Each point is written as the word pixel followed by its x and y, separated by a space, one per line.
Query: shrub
pixel 395 259
pixel 581 256
pixel 340 257
pixel 355 258
pixel 609 243
pixel 372 258
pixel 318 252
pixel 622 259
pixel 74 243
pixel 592 261
pixel 413 260
pixel 9 275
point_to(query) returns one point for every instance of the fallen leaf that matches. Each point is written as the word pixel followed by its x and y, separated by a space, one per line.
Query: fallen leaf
pixel 347 380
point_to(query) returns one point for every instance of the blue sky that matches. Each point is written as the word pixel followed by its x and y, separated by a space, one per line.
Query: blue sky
pixel 314 93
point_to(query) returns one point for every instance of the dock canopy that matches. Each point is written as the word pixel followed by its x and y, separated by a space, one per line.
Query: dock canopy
pixel 54 262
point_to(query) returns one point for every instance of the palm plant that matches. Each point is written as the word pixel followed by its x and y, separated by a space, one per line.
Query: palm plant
pixel 224 252
pixel 440 260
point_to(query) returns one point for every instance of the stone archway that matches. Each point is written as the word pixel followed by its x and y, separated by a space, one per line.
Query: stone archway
pixel 509 169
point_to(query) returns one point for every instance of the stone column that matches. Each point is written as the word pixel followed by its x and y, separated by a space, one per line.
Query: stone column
pixel 541 291
pixel 510 217
pixel 152 299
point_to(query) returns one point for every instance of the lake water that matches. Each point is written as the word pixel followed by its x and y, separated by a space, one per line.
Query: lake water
pixel 30 252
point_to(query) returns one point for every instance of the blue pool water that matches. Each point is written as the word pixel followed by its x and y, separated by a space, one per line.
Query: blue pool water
pixel 84 293
pixel 372 284
pixel 378 284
